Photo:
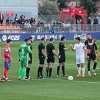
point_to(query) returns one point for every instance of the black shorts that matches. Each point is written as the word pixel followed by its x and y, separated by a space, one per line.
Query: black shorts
pixel 50 60
pixel 92 57
pixel 30 61
pixel 41 60
pixel 61 58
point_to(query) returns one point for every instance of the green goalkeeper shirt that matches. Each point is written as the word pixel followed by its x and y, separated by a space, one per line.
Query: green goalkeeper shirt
pixel 24 53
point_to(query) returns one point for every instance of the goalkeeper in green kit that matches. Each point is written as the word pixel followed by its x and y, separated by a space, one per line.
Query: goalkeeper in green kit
pixel 24 51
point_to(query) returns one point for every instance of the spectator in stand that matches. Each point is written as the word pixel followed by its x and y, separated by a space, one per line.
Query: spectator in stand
pixel 89 22
pixel 16 19
pixel 95 20
pixel 7 21
pixel 32 21
pixel 95 23
pixel 1 18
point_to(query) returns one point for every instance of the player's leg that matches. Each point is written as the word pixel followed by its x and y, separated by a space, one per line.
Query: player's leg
pixel 63 69
pixel 27 72
pixel 40 71
pixel 94 67
pixel 82 69
pixel 28 69
pixel 89 68
pixel 62 64
pixel 82 61
pixel 58 69
pixel 78 70
pixel 78 66
pixel 20 70
pixel 40 68
pixel 52 60
pixel 24 72
pixel 50 70
pixel 5 73
pixel 48 66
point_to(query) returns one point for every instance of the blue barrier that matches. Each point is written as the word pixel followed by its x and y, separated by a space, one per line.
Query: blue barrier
pixel 38 36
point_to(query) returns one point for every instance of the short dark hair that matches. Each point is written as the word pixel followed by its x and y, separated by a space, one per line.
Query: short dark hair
pixel 8 40
pixel 62 38
pixel 43 38
pixel 51 39
pixel 78 38
pixel 26 40
pixel 30 38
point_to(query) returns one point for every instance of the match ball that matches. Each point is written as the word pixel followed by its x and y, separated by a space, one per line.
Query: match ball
pixel 70 78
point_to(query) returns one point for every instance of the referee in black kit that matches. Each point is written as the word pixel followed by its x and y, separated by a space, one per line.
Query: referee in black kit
pixel 50 48
pixel 41 55
pixel 61 56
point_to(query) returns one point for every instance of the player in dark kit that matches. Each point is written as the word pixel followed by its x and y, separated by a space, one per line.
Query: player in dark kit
pixel 92 54
pixel 41 55
pixel 88 37
pixel 50 57
pixel 61 56
pixel 28 68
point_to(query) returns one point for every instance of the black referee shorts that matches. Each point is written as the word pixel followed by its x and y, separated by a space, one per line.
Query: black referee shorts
pixel 61 58
pixel 41 60
pixel 51 59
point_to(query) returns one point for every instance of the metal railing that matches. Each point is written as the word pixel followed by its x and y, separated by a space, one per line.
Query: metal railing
pixel 49 28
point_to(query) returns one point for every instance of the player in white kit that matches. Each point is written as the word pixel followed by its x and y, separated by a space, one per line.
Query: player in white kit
pixel 79 47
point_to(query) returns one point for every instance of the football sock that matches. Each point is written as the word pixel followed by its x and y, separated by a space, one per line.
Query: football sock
pixel 41 71
pixel 50 72
pixel 94 66
pixel 47 71
pixel 5 72
pixel 83 71
pixel 88 65
pixel 27 72
pixel 38 73
pixel 63 70
pixel 79 71
pixel 58 68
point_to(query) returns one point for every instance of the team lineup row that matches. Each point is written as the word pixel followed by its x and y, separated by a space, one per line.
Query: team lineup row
pixel 47 52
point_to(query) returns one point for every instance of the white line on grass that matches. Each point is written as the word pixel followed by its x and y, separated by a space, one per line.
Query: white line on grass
pixel 90 82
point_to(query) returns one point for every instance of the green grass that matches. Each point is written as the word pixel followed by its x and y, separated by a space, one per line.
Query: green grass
pixel 49 89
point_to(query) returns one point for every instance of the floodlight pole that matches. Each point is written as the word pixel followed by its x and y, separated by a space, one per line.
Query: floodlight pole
pixel 77 24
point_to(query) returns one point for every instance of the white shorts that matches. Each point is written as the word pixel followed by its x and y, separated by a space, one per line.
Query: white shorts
pixel 80 60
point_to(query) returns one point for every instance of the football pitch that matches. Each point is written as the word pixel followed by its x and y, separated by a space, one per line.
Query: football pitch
pixel 49 89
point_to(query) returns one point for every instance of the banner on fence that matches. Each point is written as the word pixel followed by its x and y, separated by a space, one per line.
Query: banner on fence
pixel 35 36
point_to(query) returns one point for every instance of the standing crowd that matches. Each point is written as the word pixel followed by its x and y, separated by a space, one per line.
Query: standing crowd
pixel 87 49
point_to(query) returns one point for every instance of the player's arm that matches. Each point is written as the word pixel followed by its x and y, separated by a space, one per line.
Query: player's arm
pixel 55 52
pixel 85 50
pixel 73 47
pixel 44 52
pixel 97 52
pixel 29 49
pixel 66 47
